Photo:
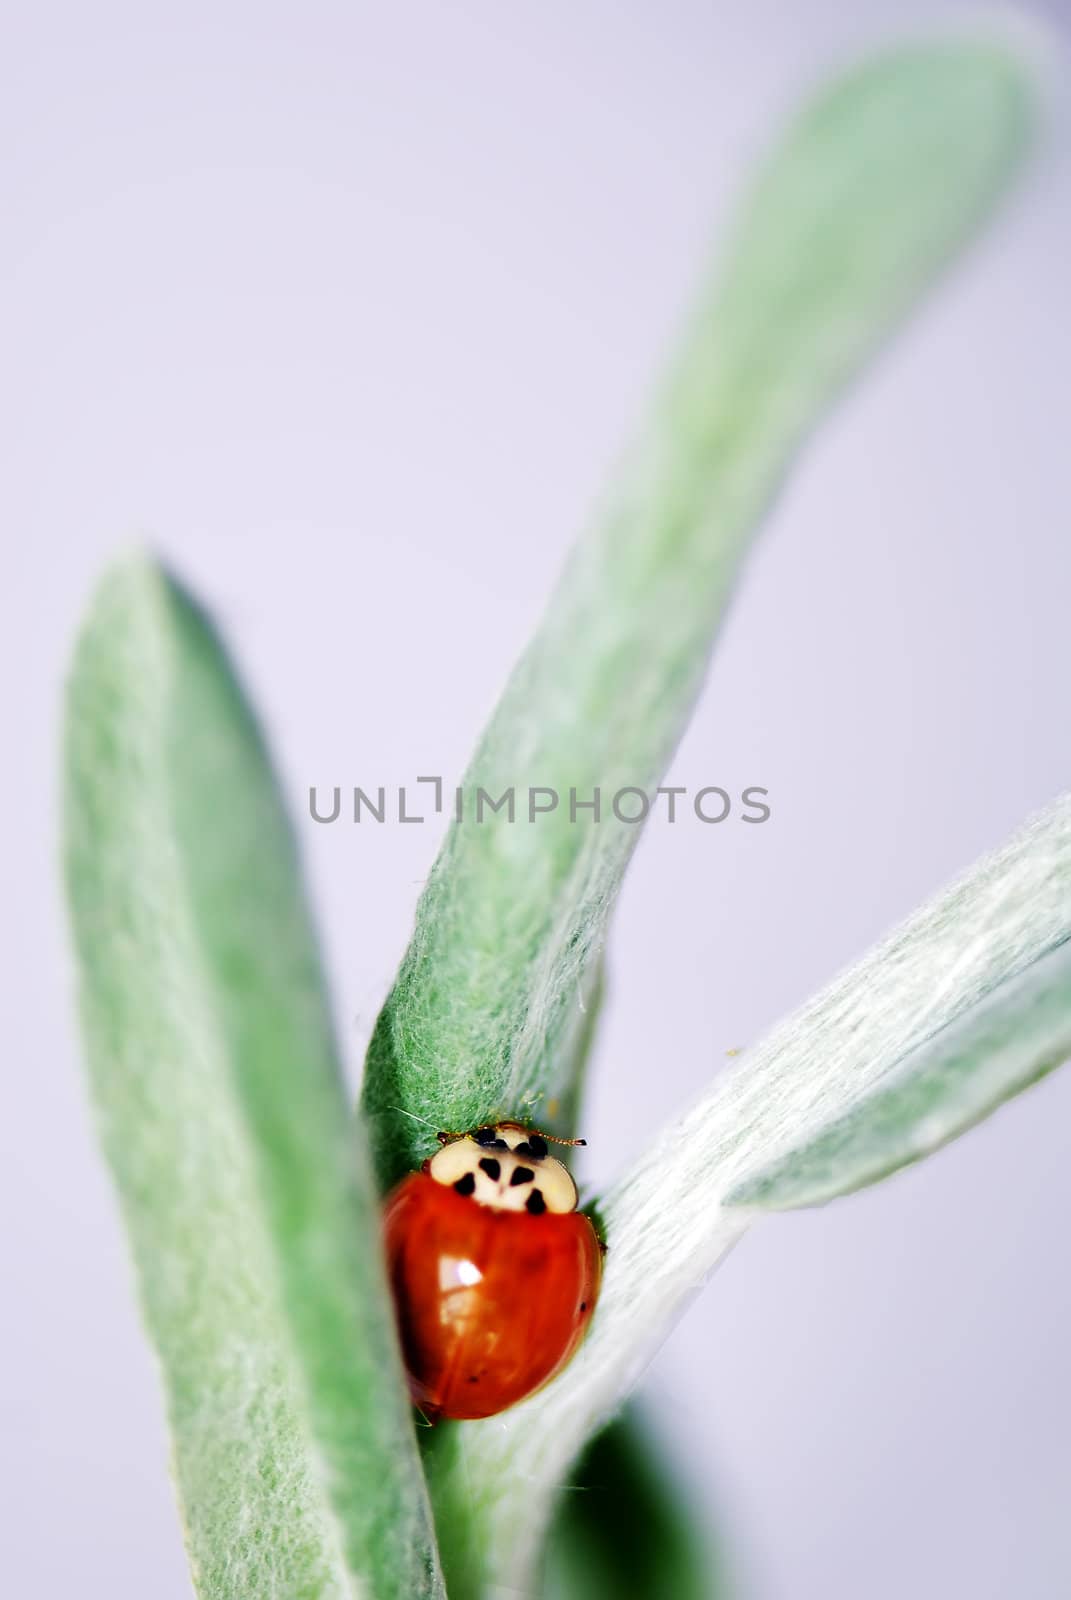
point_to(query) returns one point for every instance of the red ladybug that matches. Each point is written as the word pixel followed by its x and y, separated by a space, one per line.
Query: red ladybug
pixel 494 1271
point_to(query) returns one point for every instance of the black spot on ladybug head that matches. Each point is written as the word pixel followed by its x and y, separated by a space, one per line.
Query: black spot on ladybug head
pixel 483 1166
pixel 535 1204
pixel 537 1145
pixel 488 1137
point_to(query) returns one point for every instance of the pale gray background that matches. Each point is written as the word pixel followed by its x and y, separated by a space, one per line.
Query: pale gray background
pixel 349 308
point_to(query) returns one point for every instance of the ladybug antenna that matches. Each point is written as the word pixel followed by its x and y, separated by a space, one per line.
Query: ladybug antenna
pixel 448 1135
pixel 552 1138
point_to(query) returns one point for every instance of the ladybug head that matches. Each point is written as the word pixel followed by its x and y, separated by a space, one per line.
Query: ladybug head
pixel 505 1166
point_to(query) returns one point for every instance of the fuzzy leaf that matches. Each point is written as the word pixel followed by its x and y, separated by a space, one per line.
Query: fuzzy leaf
pixel 984 965
pixel 1013 1036
pixel 244 1184
pixel 882 179
pixel 624 1529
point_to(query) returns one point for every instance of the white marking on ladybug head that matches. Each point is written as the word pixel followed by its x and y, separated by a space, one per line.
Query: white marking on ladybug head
pixel 507 1168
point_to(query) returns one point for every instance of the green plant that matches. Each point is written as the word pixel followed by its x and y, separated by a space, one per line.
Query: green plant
pixel 249 1190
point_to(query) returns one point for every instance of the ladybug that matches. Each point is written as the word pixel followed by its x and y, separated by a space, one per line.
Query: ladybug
pixel 494 1271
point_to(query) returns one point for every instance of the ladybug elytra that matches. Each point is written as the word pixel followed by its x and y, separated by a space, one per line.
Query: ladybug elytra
pixel 494 1271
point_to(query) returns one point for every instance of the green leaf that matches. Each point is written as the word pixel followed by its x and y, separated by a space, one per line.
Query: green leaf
pixel 880 181
pixel 1010 1039
pixel 624 1529
pixel 245 1185
pixel 966 1003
